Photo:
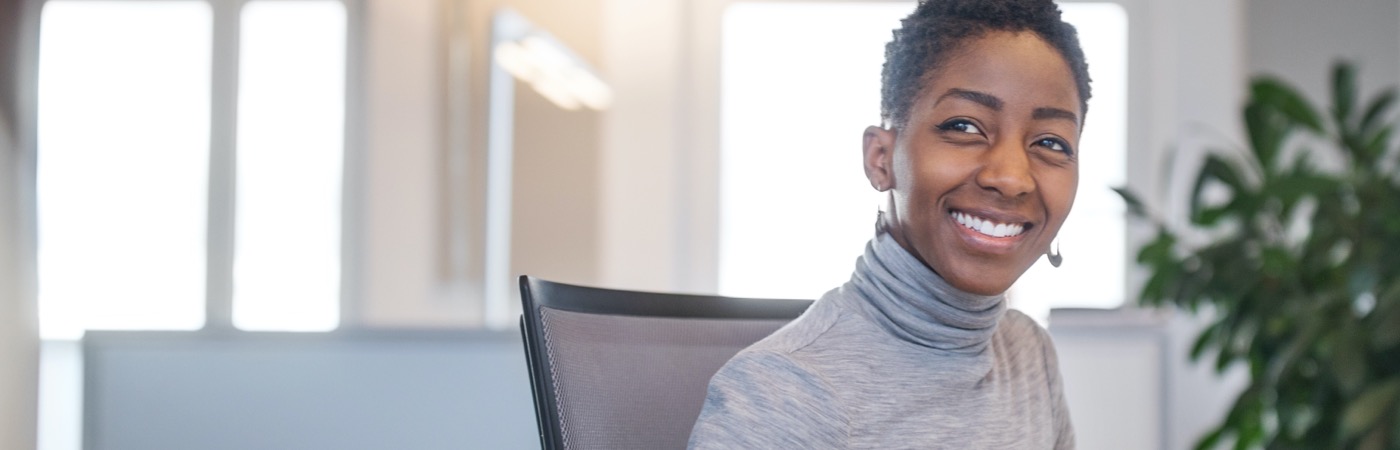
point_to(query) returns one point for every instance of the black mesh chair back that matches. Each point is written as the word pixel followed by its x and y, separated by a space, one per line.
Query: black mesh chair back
pixel 617 369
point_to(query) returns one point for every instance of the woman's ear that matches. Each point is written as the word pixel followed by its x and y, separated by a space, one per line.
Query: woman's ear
pixel 878 148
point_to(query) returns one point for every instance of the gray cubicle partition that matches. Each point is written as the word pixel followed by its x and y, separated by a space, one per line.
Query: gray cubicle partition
pixel 417 390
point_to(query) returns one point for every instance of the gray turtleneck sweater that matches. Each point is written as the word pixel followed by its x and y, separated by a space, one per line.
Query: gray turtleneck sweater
pixel 895 358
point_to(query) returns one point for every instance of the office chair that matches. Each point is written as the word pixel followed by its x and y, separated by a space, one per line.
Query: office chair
pixel 614 369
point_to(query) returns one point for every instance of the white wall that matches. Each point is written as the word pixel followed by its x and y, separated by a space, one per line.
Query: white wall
pixel 641 141
pixel 405 281
pixel 1115 379
pixel 19 331
pixel 426 66
pixel 555 182
pixel 1298 40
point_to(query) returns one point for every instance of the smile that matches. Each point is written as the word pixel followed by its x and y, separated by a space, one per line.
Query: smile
pixel 987 226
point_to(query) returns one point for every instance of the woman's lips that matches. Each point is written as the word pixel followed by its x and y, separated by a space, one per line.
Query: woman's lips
pixel 986 235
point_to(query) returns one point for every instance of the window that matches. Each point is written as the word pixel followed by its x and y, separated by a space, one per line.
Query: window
pixel 291 109
pixel 796 208
pixel 124 116
pixel 133 187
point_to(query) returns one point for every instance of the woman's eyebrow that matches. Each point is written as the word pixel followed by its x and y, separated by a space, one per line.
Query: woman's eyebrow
pixel 1046 112
pixel 994 103
pixel 981 98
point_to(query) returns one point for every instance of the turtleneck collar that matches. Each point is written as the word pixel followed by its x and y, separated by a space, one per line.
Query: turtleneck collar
pixel 912 302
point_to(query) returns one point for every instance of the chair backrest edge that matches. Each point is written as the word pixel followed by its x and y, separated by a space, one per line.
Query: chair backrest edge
pixel 586 299
pixel 537 361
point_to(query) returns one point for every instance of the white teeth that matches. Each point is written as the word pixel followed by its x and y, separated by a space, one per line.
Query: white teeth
pixel 987 226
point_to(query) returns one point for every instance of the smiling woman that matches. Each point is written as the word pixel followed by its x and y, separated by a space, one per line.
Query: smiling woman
pixel 978 156
pixel 988 145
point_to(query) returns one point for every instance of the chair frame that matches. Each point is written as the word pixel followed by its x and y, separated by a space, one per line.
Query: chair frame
pixel 536 293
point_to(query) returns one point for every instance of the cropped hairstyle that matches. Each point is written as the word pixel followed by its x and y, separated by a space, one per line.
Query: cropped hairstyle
pixel 938 28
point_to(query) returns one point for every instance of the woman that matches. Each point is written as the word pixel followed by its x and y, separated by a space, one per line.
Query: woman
pixel 982 103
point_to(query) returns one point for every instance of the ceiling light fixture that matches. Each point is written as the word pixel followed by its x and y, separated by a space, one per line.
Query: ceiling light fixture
pixel 555 72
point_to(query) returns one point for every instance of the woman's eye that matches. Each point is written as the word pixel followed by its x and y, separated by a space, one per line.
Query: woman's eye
pixel 960 125
pixel 1056 145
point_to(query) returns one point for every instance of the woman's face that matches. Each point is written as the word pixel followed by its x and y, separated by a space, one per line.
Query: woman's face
pixel 985 171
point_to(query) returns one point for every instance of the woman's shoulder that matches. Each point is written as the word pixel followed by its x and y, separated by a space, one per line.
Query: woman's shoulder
pixel 757 362
pixel 1021 335
pixel 812 327
pixel 799 348
pixel 1027 341
pixel 767 399
pixel 773 394
pixel 1017 325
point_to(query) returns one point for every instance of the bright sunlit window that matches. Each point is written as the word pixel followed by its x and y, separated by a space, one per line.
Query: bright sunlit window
pixel 290 144
pixel 124 152
pixel 796 209
pixel 123 158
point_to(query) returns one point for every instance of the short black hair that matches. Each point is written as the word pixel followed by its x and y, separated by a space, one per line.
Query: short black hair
pixel 937 28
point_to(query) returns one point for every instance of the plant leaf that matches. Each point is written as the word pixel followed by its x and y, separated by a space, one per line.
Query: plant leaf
pixel 1282 97
pixel 1343 91
pixel 1295 186
pixel 1215 168
pixel 1349 363
pixel 1226 356
pixel 1135 206
pixel 1375 147
pixel 1159 251
pixel 1369 406
pixel 1387 319
pixel 1266 129
pixel 1206 338
pixel 1376 109
pixel 1211 440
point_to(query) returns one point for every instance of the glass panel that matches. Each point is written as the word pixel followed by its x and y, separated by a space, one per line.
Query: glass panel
pixel 123 165
pixel 291 118
pixel 796 208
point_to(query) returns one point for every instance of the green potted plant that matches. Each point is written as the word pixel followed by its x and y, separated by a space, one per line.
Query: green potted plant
pixel 1299 268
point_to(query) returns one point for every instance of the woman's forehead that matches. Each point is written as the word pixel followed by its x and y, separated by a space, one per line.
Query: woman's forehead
pixel 1008 69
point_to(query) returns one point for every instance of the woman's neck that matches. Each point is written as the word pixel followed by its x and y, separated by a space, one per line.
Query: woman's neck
pixel 912 302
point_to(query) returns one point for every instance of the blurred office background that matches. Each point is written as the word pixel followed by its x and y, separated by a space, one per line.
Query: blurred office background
pixel 296 223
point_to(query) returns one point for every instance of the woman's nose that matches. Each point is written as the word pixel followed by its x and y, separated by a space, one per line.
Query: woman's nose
pixel 1006 168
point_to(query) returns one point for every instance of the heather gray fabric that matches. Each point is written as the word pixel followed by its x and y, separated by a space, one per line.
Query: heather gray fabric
pixel 895 358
